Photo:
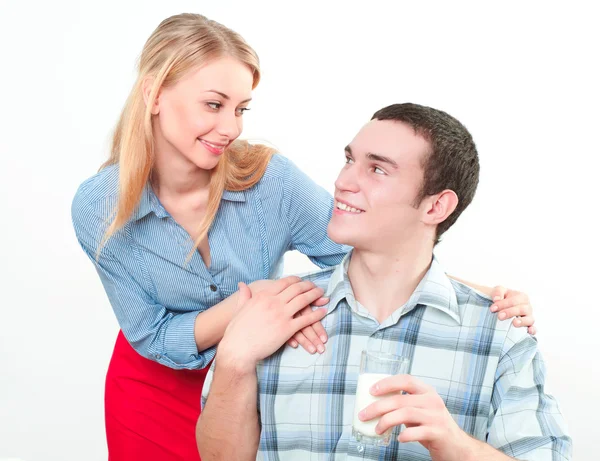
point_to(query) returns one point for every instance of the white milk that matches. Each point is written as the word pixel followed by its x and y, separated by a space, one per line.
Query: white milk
pixel 363 400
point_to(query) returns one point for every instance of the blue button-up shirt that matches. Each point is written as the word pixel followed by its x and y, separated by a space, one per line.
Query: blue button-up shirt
pixel 156 295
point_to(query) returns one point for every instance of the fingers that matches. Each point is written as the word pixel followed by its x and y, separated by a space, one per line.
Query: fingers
pixel 520 310
pixel 244 294
pixel 523 314
pixel 417 434
pixel 312 336
pixel 303 341
pixel 526 321
pixel 318 328
pixel 397 383
pixel 532 330
pixel 516 298
pixel 296 289
pixel 499 292
pixel 321 302
pixel 407 415
pixel 392 403
pixel 301 300
pixel 282 284
pixel 314 333
pixel 303 321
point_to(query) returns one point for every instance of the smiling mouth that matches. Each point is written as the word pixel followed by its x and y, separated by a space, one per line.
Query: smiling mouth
pixel 212 147
pixel 344 207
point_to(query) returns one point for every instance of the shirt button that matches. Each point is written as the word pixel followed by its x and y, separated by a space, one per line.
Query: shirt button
pixel 213 288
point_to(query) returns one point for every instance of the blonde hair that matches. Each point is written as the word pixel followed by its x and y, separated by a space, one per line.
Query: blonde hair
pixel 179 44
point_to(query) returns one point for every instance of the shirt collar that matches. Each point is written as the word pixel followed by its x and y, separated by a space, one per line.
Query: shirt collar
pixel 149 203
pixel 434 290
pixel 339 285
pixel 234 196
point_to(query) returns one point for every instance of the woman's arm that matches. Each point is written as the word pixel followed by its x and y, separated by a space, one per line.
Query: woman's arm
pixel 308 208
pixel 210 325
pixel 174 339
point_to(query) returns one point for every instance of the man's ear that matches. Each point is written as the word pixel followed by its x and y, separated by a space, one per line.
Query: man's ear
pixel 147 86
pixel 439 206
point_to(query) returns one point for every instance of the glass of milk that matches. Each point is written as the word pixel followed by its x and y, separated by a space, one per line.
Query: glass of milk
pixel 374 366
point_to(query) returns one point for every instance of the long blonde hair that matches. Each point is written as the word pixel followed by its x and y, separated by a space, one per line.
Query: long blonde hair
pixel 179 44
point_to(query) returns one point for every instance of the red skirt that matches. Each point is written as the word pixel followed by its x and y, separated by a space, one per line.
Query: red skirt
pixel 151 410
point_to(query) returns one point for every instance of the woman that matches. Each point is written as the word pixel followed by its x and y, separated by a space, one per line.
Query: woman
pixel 180 214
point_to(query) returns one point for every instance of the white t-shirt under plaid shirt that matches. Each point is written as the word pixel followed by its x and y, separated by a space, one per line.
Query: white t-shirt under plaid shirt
pixel 489 374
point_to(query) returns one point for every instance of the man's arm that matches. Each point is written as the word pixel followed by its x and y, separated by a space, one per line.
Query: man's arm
pixel 476 450
pixel 427 421
pixel 525 421
pixel 228 427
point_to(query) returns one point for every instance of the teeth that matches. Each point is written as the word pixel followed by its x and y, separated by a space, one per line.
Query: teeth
pixel 212 145
pixel 344 207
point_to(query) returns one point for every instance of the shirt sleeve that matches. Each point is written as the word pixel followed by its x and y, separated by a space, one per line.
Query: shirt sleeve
pixel 207 383
pixel 308 208
pixel 152 330
pixel 525 421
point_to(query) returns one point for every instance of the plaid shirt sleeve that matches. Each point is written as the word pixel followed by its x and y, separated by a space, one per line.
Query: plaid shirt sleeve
pixel 525 422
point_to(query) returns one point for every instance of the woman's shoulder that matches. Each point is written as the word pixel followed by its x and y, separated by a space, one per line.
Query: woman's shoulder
pixel 281 168
pixel 98 193
pixel 277 168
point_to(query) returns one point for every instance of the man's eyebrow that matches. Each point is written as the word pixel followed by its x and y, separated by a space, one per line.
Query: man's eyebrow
pixel 375 157
pixel 382 159
pixel 224 96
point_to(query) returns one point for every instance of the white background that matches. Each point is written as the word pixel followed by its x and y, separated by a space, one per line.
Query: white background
pixel 522 76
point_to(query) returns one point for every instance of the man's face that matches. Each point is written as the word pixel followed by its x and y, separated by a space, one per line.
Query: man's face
pixel 376 190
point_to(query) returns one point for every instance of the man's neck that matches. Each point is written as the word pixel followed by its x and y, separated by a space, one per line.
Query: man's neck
pixel 384 281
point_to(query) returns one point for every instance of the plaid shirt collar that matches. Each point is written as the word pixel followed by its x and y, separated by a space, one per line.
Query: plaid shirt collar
pixel 434 290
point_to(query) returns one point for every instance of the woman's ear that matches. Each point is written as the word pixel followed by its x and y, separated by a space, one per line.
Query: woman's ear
pixel 147 85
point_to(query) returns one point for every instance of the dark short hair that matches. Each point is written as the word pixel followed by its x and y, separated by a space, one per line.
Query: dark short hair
pixel 452 161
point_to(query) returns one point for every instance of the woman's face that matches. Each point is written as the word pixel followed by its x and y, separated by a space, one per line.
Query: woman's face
pixel 199 116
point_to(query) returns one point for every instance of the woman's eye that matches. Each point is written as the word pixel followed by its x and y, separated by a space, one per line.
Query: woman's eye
pixel 349 160
pixel 241 110
pixel 214 105
pixel 378 170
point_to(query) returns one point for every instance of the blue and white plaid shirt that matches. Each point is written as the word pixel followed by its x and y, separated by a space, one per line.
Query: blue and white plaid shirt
pixel 489 374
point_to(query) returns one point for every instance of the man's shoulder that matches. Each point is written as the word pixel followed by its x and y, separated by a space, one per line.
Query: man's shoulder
pixel 466 295
pixel 474 307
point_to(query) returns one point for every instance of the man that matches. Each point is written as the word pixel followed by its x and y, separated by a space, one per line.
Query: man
pixel 475 390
